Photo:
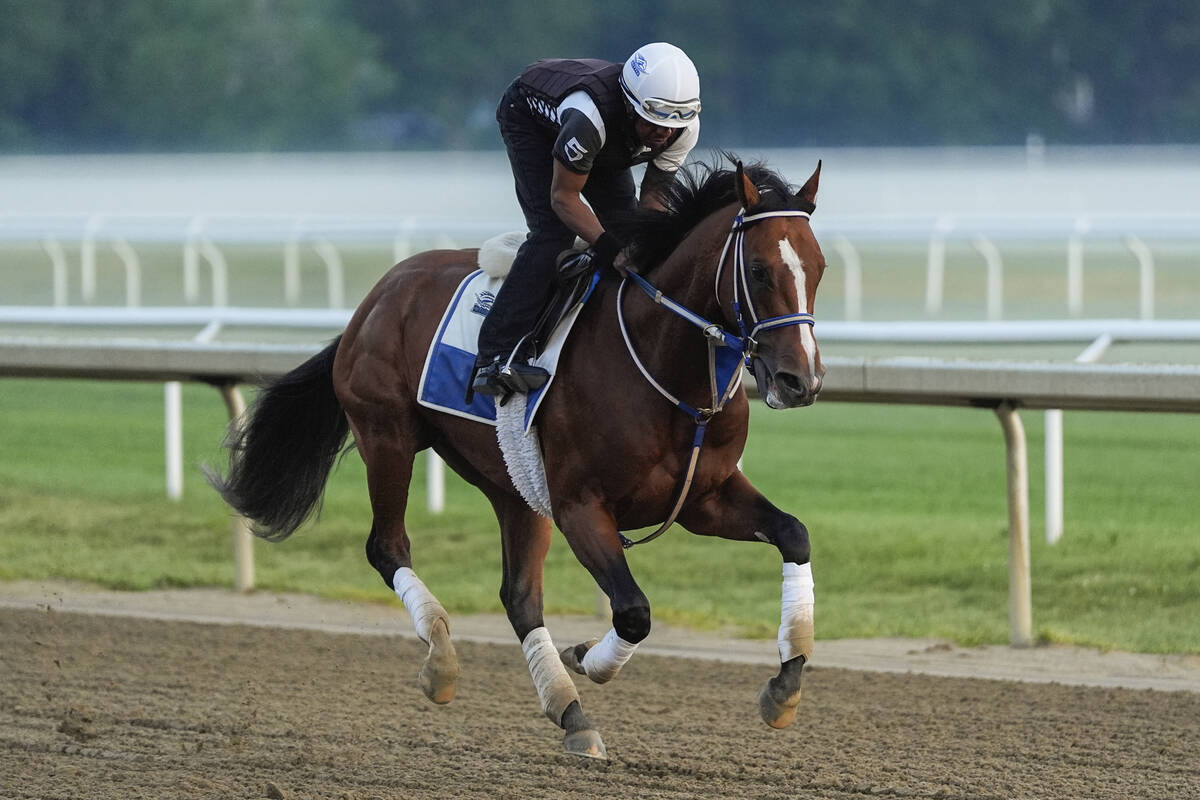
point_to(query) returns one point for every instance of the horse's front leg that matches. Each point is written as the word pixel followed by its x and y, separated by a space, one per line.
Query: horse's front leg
pixel 736 510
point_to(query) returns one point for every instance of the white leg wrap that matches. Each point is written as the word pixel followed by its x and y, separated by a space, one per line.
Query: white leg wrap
pixel 550 678
pixel 796 613
pixel 605 660
pixel 420 602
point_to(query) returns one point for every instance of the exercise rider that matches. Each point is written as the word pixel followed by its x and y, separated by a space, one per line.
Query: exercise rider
pixel 573 128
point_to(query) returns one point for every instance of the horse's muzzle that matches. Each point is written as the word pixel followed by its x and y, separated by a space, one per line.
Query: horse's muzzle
pixel 795 391
pixel 784 389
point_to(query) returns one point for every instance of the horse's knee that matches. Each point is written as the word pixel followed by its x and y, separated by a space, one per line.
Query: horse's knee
pixel 632 624
pixel 791 537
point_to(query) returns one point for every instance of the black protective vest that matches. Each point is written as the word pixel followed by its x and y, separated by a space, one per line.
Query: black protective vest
pixel 549 80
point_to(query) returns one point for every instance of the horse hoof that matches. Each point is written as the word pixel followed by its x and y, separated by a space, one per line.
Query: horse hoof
pixel 572 657
pixel 585 743
pixel 775 713
pixel 439 673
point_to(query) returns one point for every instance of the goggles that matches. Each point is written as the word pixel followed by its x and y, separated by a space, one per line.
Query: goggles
pixel 655 108
pixel 671 110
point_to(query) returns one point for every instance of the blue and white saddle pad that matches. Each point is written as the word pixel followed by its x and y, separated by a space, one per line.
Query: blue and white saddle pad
pixel 452 354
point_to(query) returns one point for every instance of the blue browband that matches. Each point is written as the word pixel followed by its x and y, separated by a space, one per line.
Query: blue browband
pixel 727 352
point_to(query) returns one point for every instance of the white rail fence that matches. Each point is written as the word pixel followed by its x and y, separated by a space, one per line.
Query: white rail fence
pixel 1001 386
pixel 1098 335
pixel 201 240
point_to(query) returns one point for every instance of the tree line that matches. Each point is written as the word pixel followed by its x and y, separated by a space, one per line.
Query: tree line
pixel 164 75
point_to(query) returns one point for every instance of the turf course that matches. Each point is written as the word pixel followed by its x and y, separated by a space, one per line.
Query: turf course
pixel 906 507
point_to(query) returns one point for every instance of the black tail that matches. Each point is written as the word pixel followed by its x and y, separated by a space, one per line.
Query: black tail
pixel 283 452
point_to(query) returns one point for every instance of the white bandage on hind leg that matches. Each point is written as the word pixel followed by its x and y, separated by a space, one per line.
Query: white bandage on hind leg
pixel 550 678
pixel 420 602
pixel 604 660
pixel 796 613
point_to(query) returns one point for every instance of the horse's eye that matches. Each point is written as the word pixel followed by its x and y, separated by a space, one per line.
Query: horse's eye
pixel 758 272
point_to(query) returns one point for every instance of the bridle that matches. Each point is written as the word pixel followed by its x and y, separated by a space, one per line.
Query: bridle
pixel 727 352
pixel 741 287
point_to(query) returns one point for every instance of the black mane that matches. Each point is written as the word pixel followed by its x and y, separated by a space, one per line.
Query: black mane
pixel 697 191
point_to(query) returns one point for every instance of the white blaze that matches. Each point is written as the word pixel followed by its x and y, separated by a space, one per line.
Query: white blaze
pixel 796 265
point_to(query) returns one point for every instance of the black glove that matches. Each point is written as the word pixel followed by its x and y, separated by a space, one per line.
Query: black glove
pixel 605 249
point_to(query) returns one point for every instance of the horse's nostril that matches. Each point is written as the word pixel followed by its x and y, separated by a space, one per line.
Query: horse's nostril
pixel 791 383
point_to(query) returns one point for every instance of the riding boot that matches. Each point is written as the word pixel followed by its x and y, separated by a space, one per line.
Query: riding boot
pixel 486 380
pixel 522 377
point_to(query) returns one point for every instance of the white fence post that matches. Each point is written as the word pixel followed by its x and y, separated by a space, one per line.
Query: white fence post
pixel 291 267
pixel 173 429
pixel 935 275
pixel 853 270
pixel 58 264
pixel 1145 275
pixel 995 277
pixel 87 260
pixel 191 260
pixel 333 272
pixel 1054 448
pixel 220 272
pixel 133 272
pixel 1075 267
pixel 435 482
pixel 1053 423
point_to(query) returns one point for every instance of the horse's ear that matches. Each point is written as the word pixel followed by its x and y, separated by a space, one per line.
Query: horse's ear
pixel 808 192
pixel 747 192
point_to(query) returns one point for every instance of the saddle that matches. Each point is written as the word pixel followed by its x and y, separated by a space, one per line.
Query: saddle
pixel 575 276
pixel 574 279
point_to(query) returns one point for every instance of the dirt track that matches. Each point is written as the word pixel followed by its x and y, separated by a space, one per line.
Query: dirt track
pixel 107 707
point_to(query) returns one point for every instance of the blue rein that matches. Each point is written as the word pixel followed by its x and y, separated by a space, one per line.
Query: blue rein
pixel 727 352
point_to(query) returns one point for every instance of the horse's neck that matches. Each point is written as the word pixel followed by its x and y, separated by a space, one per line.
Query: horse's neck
pixel 688 275
pixel 675 350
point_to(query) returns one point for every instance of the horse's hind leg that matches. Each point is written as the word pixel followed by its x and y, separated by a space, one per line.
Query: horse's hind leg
pixel 526 539
pixel 388 450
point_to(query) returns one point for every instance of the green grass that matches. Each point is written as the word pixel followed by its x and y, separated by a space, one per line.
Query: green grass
pixel 906 507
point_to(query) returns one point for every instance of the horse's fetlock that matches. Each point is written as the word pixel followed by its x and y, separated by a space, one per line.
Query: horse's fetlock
pixel 385 563
pixel 793 541
pixel 632 624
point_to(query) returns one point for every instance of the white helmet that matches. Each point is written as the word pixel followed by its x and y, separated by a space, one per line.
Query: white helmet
pixel 661 83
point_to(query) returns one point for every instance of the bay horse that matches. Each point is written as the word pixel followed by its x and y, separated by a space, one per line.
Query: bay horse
pixel 731 267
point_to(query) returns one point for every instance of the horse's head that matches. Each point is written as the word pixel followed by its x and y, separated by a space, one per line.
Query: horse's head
pixel 773 289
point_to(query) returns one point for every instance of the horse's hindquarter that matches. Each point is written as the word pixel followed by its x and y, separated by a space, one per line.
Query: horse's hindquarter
pixel 379 362
pixel 384 345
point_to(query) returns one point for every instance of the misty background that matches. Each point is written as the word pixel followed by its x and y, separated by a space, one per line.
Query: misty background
pixel 117 76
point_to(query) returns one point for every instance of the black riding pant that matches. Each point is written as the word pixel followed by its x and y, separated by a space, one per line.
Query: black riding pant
pixel 531 281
